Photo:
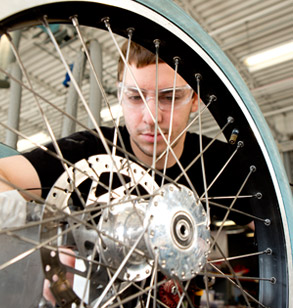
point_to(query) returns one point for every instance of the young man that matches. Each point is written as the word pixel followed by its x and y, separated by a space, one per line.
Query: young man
pixel 39 170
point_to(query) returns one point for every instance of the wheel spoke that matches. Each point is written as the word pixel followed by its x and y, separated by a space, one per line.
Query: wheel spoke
pixel 111 209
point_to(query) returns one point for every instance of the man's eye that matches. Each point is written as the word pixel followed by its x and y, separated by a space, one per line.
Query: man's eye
pixel 133 96
pixel 168 96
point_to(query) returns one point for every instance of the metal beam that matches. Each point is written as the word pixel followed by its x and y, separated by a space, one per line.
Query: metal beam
pixel 95 98
pixel 69 125
pixel 238 22
pixel 14 106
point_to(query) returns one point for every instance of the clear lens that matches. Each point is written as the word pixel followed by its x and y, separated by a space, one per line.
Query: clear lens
pixel 132 98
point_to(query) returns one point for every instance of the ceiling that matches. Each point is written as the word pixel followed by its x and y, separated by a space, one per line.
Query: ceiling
pixel 241 28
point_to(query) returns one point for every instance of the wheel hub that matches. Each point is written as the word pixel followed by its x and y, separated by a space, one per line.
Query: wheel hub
pixel 120 227
pixel 178 233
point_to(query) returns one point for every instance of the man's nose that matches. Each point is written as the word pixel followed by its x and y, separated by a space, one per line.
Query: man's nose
pixel 150 112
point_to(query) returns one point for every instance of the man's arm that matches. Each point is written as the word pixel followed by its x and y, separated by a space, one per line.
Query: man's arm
pixel 20 172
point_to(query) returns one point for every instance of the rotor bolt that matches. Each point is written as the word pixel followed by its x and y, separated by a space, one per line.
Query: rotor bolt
pixel 174 290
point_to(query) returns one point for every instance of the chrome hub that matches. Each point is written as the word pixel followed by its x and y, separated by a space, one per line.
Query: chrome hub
pixel 178 234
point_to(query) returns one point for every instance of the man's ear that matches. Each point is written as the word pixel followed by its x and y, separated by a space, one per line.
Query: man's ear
pixel 194 105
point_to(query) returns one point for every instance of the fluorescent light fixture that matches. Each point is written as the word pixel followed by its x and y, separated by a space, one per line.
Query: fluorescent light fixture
pixel 270 57
pixel 24 144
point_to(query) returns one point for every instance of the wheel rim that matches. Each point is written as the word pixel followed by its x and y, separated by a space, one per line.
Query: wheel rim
pixel 273 276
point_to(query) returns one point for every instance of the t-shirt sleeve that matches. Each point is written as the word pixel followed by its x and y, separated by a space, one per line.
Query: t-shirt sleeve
pixel 73 148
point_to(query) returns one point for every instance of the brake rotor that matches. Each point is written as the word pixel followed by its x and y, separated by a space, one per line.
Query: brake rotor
pixel 171 227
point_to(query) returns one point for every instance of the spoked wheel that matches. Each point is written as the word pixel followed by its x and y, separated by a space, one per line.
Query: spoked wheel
pixel 137 236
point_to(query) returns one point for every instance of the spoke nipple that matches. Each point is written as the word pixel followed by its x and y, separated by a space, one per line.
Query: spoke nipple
pixel 130 31
pixel 157 43
pixel 273 280
pixel 213 98
pixel 106 21
pixel 74 20
pixel 176 60
pixel 267 222
pixel 230 119
pixel 198 76
pixel 269 251
pixel 252 168
pixel 258 195
pixel 240 144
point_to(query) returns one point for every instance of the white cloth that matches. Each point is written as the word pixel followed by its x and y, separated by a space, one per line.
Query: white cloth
pixel 12 209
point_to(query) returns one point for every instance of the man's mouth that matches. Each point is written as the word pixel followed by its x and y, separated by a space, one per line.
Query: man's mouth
pixel 150 136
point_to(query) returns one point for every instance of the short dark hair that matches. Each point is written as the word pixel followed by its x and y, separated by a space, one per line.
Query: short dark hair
pixel 138 55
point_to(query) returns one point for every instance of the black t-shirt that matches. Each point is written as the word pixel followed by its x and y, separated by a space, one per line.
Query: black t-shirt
pixel 84 144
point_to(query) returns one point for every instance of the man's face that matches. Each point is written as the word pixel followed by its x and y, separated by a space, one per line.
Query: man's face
pixel 139 122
